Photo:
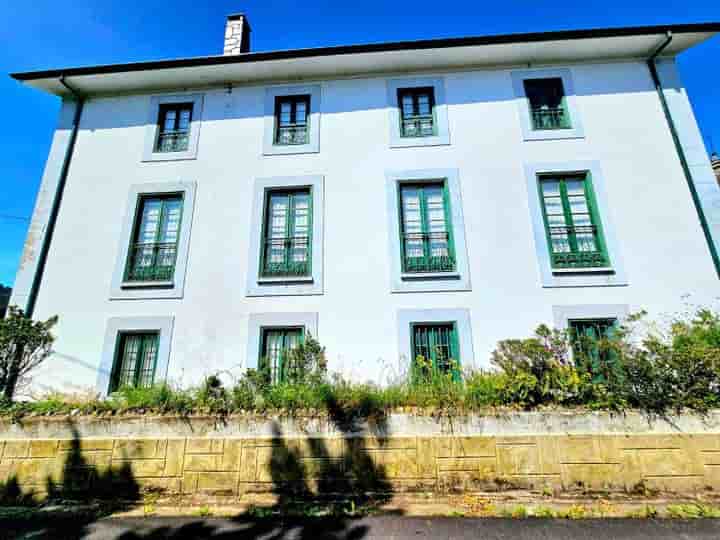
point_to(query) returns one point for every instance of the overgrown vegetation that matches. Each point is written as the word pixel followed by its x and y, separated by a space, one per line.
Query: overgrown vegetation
pixel 650 370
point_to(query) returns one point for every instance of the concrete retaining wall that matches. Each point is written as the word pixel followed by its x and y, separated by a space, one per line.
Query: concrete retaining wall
pixel 238 455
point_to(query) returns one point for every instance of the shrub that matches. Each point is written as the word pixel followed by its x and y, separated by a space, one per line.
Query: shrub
pixel 24 345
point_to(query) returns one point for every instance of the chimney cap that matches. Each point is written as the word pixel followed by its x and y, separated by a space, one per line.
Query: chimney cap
pixel 237 16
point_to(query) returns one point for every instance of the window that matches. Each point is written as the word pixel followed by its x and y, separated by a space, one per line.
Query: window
pixel 437 344
pixel 135 361
pixel 572 225
pixel 287 234
pixel 153 249
pixel 291 119
pixel 276 346
pixel 588 351
pixel 417 112
pixel 174 127
pixel 548 107
pixel 426 231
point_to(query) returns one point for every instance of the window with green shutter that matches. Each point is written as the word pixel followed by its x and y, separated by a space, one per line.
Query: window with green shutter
pixel 437 345
pixel 425 229
pixel 292 115
pixel 153 249
pixel 276 345
pixel 135 360
pixel 174 127
pixel 586 337
pixel 572 222
pixel 417 112
pixel 547 102
pixel 287 234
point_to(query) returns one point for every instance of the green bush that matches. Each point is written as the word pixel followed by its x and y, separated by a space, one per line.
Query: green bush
pixel 651 371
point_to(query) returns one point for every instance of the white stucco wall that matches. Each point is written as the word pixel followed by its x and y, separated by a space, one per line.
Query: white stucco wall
pixel 664 252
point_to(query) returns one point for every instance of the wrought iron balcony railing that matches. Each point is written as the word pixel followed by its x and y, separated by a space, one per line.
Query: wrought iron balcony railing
pixel 426 243
pixel 418 126
pixel 172 141
pixel 550 118
pixel 151 262
pixel 585 253
pixel 295 254
pixel 294 134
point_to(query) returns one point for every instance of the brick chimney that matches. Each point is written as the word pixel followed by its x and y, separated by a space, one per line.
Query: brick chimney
pixel 715 161
pixel 237 35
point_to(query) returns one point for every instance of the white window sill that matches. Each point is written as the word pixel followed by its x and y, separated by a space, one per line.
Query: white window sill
pixel 147 284
pixel 289 280
pixel 429 275
pixel 595 270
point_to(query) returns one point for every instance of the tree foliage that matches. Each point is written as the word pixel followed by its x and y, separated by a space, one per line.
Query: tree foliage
pixel 24 345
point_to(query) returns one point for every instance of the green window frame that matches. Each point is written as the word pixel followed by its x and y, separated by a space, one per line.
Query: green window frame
pixel 548 103
pixel 417 112
pixel 426 233
pixel 584 336
pixel 572 222
pixel 287 233
pixel 174 121
pixel 154 244
pixel 292 120
pixel 276 344
pixel 438 344
pixel 135 360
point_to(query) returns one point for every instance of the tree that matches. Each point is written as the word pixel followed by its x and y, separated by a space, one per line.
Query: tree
pixel 24 345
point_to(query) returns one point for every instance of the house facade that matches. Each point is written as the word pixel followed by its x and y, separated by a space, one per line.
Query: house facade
pixel 203 215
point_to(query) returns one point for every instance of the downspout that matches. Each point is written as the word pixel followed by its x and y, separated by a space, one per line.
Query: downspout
pixel 681 153
pixel 57 200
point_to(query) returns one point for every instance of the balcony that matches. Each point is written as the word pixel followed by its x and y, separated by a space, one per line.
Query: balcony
pixel 173 141
pixel 287 257
pixel 550 118
pixel 425 244
pixel 418 126
pixel 576 247
pixel 292 134
pixel 151 262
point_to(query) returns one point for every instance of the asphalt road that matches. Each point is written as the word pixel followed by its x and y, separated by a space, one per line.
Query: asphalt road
pixel 368 528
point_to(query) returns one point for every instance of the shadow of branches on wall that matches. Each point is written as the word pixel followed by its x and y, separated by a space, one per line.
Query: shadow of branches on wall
pixel 81 493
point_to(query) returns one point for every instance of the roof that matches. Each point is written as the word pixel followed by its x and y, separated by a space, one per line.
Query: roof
pixel 505 49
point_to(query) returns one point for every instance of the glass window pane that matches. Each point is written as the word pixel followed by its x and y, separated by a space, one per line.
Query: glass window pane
pixel 184 122
pixel 149 220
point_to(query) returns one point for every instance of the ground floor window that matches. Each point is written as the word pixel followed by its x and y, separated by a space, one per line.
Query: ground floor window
pixel 591 350
pixel 277 343
pixel 135 360
pixel 435 348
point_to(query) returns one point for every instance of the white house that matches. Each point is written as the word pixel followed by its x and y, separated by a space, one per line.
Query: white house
pixel 426 197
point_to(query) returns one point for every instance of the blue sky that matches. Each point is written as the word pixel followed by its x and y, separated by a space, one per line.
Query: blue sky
pixel 41 34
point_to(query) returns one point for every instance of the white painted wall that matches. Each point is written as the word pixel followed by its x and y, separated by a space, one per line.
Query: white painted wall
pixel 664 250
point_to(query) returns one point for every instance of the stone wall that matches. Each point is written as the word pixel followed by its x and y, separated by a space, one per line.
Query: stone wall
pixel 659 457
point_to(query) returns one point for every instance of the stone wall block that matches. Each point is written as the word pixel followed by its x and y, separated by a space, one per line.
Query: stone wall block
pixel 43 449
pixel 248 464
pixel 595 476
pixel 518 459
pixel 86 445
pixel 203 462
pixel 16 449
pixel 204 446
pixel 175 457
pixel 217 483
pixel 427 451
pixel 139 449
pixel 142 467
